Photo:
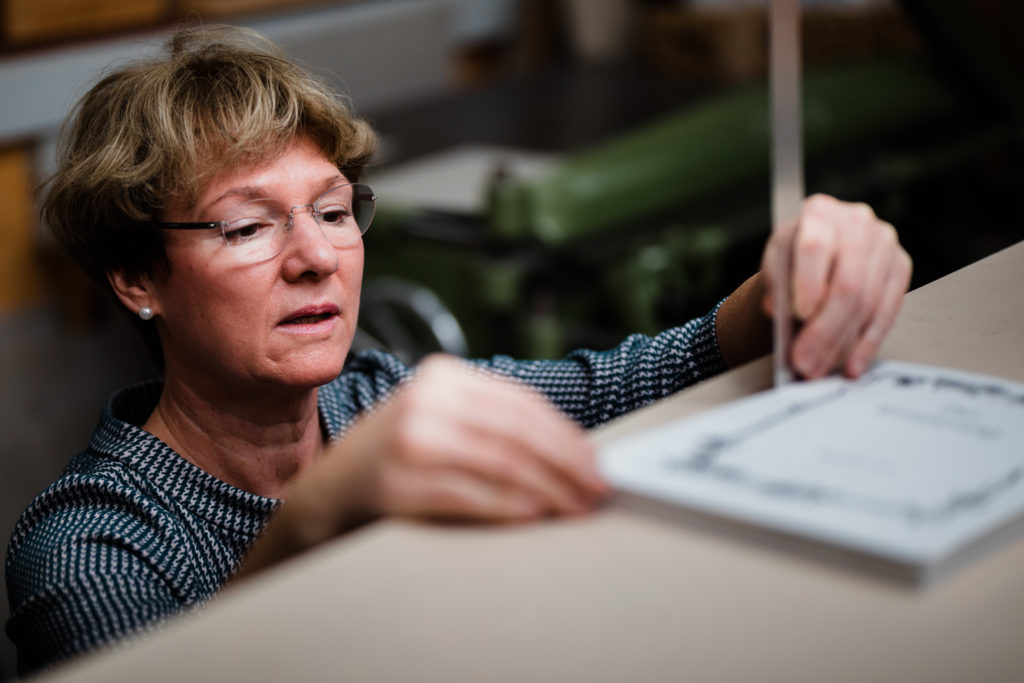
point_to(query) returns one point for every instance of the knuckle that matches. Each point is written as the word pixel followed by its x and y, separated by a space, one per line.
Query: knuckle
pixel 848 290
pixel 819 202
pixel 411 401
pixel 882 234
pixel 906 265
pixel 863 213
pixel 813 242
pixel 434 364
pixel 407 440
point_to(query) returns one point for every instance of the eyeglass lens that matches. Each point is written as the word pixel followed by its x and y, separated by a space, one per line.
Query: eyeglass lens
pixel 258 230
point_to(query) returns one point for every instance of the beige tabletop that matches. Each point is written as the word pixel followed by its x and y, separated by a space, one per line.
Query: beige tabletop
pixel 620 596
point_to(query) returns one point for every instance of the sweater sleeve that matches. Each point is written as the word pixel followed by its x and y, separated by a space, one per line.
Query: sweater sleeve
pixel 86 567
pixel 593 387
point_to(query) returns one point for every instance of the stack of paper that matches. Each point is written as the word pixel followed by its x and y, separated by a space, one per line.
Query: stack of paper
pixel 910 469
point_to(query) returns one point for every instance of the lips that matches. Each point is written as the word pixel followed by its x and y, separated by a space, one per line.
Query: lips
pixel 311 315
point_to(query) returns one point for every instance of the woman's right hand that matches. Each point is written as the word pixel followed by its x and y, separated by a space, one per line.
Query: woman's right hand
pixel 453 443
pixel 456 443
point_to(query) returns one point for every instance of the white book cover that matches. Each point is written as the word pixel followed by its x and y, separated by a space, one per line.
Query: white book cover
pixel 913 465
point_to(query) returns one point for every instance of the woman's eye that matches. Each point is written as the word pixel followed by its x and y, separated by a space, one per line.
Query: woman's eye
pixel 245 230
pixel 334 216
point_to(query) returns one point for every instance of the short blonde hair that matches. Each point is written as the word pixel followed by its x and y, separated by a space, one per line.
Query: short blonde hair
pixel 159 129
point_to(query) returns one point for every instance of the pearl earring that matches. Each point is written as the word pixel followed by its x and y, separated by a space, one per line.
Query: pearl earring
pixel 145 312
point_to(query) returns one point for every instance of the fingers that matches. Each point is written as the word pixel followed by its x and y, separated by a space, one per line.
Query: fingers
pixel 857 265
pixel 814 249
pixel 847 281
pixel 522 427
pixel 891 299
pixel 451 494
pixel 469 446
pixel 550 439
pixel 487 448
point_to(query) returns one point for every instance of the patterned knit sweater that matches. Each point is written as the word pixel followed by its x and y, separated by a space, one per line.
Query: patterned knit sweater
pixel 132 533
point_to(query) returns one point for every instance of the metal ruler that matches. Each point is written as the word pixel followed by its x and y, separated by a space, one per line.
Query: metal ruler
pixel 787 170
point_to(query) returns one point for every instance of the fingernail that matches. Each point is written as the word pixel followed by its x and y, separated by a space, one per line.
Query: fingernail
pixel 803 362
pixel 815 368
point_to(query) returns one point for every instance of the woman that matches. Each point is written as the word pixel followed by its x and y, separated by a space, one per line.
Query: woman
pixel 216 190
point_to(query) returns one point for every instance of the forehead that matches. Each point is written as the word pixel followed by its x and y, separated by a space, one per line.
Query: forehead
pixel 299 161
pixel 298 168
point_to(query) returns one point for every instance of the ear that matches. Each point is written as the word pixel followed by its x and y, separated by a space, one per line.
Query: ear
pixel 135 290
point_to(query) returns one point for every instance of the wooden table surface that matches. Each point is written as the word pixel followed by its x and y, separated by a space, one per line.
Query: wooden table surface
pixel 620 596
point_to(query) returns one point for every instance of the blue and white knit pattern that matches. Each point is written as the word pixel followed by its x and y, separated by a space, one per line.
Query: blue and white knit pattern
pixel 132 532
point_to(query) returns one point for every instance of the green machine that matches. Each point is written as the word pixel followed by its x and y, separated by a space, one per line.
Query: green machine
pixel 653 227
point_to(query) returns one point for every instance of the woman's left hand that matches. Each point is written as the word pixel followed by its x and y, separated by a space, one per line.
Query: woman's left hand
pixel 846 282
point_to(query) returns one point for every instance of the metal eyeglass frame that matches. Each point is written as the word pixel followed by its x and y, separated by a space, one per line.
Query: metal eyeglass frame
pixel 360 192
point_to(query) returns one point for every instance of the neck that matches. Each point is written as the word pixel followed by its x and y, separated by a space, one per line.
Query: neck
pixel 256 443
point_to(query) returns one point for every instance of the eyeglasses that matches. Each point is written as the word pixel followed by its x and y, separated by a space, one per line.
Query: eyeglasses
pixel 258 230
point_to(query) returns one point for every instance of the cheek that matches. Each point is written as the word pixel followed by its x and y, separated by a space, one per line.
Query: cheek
pixel 350 269
pixel 206 305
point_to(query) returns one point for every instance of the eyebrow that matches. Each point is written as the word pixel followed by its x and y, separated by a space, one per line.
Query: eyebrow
pixel 249 192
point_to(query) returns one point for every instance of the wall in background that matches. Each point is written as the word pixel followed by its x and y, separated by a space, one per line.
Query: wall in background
pixel 63 349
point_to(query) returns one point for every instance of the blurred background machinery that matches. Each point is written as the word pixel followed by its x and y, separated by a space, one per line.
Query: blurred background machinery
pixel 915 109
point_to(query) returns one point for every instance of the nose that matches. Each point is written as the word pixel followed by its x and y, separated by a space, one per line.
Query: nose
pixel 307 252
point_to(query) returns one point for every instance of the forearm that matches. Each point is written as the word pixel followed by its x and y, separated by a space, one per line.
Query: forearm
pixel 323 503
pixel 593 387
pixel 744 330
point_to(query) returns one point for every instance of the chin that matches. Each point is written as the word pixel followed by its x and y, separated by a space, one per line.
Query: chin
pixel 313 370
pixel 313 376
